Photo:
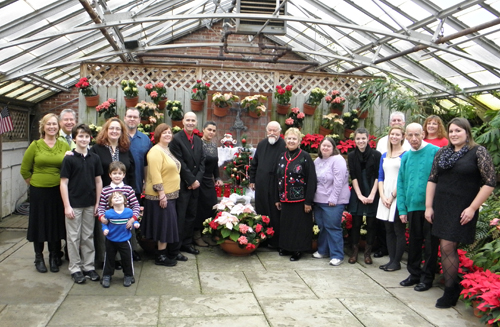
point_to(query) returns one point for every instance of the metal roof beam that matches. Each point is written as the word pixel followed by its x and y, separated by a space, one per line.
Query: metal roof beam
pixel 42 80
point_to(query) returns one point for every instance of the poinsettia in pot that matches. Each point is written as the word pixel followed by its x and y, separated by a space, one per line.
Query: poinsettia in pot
pixel 313 100
pixel 91 97
pixel 335 102
pixel 108 108
pixel 174 111
pixel 199 95
pixel 157 93
pixel 295 118
pixel 131 92
pixel 222 103
pixel 255 105
pixel 283 96
pixel 238 228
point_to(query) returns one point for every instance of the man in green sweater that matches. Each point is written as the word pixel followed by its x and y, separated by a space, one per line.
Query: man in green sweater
pixel 414 172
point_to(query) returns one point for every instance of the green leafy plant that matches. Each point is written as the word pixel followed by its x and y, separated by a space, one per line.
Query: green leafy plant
pixel 174 110
pixel 200 90
pixel 224 100
pixel 255 103
pixel 488 135
pixel 129 88
pixel 283 94
pixel 316 96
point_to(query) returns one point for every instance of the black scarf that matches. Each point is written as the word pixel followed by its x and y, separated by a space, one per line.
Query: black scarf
pixel 449 156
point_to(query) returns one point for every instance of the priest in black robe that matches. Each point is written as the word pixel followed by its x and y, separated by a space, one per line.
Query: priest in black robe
pixel 262 177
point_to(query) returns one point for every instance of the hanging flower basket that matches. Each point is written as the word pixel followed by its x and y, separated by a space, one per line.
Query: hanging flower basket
pixel 282 109
pixel 232 248
pixel 197 105
pixel 221 111
pixel 92 101
pixel 131 102
pixel 177 123
pixel 363 115
pixel 309 110
pixel 348 132
pixel 253 114
pixel 324 131
pixel 162 103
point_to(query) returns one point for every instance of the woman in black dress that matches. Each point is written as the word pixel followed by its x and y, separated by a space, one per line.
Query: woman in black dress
pixel 363 165
pixel 208 196
pixel 462 175
pixel 296 183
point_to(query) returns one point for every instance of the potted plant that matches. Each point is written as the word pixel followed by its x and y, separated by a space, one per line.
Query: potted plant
pixel 174 111
pixel 331 123
pixel 255 105
pixel 313 100
pixel 222 103
pixel 199 95
pixel 157 93
pixel 131 92
pixel 283 95
pixel 108 108
pixel 238 228
pixel 335 102
pixel 351 121
pixel 91 97
pixel 146 109
pixel 295 118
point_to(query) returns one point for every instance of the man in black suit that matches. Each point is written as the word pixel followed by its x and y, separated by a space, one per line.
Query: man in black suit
pixel 188 149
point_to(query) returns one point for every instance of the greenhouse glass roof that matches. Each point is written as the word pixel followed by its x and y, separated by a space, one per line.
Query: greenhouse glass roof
pixel 437 48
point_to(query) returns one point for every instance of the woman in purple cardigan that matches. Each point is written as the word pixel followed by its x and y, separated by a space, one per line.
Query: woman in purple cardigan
pixel 332 195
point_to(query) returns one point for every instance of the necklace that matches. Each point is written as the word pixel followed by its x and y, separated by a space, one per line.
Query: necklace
pixel 290 158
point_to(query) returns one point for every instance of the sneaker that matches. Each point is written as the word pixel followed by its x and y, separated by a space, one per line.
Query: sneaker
pixel 128 280
pixel 318 255
pixel 78 277
pixel 336 262
pixel 92 274
pixel 106 281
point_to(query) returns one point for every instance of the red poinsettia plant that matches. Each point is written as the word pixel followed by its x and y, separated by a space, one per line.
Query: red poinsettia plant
pixel 85 87
pixel 349 145
pixel 310 142
pixel 239 223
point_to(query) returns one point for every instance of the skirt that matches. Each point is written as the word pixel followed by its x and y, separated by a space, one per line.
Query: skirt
pixel 46 217
pixel 160 224
pixel 295 227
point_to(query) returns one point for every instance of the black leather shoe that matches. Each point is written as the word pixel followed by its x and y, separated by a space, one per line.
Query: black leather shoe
pixel 409 282
pixel 189 249
pixel 383 266
pixel 53 262
pixel 296 256
pixel 40 263
pixel 379 254
pixel 284 252
pixel 163 260
pixel 392 267
pixel 181 257
pixel 421 287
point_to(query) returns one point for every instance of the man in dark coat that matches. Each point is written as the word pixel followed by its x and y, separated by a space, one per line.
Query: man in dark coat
pixel 262 179
pixel 188 149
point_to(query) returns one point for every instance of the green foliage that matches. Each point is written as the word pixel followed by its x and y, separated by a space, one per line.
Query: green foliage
pixel 488 257
pixel 488 135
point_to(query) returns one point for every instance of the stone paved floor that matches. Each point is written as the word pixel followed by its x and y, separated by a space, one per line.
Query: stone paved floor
pixel 214 289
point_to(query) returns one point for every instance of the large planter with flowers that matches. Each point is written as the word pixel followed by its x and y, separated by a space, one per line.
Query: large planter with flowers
pixel 232 248
pixel 131 102
pixel 237 227
pixel 221 111
pixel 324 131
pixel 348 132
pixel 162 103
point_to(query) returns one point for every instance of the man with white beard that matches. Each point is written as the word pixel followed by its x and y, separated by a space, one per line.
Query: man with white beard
pixel 262 179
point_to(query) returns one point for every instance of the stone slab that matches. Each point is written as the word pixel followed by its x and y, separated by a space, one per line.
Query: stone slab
pixel 203 306
pixel 107 311
pixel 240 321
pixel 27 315
pixel 308 313
pixel 224 282
pixel 279 285
pixel 214 259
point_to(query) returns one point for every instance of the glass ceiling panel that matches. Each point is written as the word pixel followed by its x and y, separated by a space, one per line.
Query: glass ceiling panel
pixel 485 77
pixel 474 16
pixel 436 66
pixel 461 81
pixel 414 10
pixel 489 100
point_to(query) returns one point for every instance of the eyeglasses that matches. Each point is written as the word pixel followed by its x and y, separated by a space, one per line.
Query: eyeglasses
pixel 132 117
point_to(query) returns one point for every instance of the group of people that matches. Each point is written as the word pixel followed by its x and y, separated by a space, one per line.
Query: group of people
pixel 411 178
pixel 71 183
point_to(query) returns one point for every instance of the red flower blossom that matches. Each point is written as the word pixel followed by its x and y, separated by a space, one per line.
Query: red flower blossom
pixel 258 228
pixel 288 87
pixel 265 219
pixel 270 231
pixel 213 224
pixel 250 246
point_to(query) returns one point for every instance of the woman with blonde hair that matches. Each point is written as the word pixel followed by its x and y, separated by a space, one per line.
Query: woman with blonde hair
pixel 40 169
pixel 435 132
pixel 296 182
pixel 387 210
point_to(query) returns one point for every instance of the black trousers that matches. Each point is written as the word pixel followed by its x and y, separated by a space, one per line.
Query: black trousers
pixel 186 206
pixel 420 234
pixel 396 240
pixel 125 249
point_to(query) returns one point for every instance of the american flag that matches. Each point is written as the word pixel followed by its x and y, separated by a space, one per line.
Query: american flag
pixel 5 121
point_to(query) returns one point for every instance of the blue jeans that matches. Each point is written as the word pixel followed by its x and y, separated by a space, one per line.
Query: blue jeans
pixel 329 220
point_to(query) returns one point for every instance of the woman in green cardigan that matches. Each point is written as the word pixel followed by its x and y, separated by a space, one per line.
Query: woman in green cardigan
pixel 40 169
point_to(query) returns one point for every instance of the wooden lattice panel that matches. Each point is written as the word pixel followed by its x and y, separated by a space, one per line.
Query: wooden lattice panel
pixel 241 81
pixel 20 121
pixel 304 83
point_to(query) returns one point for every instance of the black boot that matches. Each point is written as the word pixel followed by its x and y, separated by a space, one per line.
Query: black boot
pixel 40 263
pixel 163 260
pixel 53 256
pixel 449 298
